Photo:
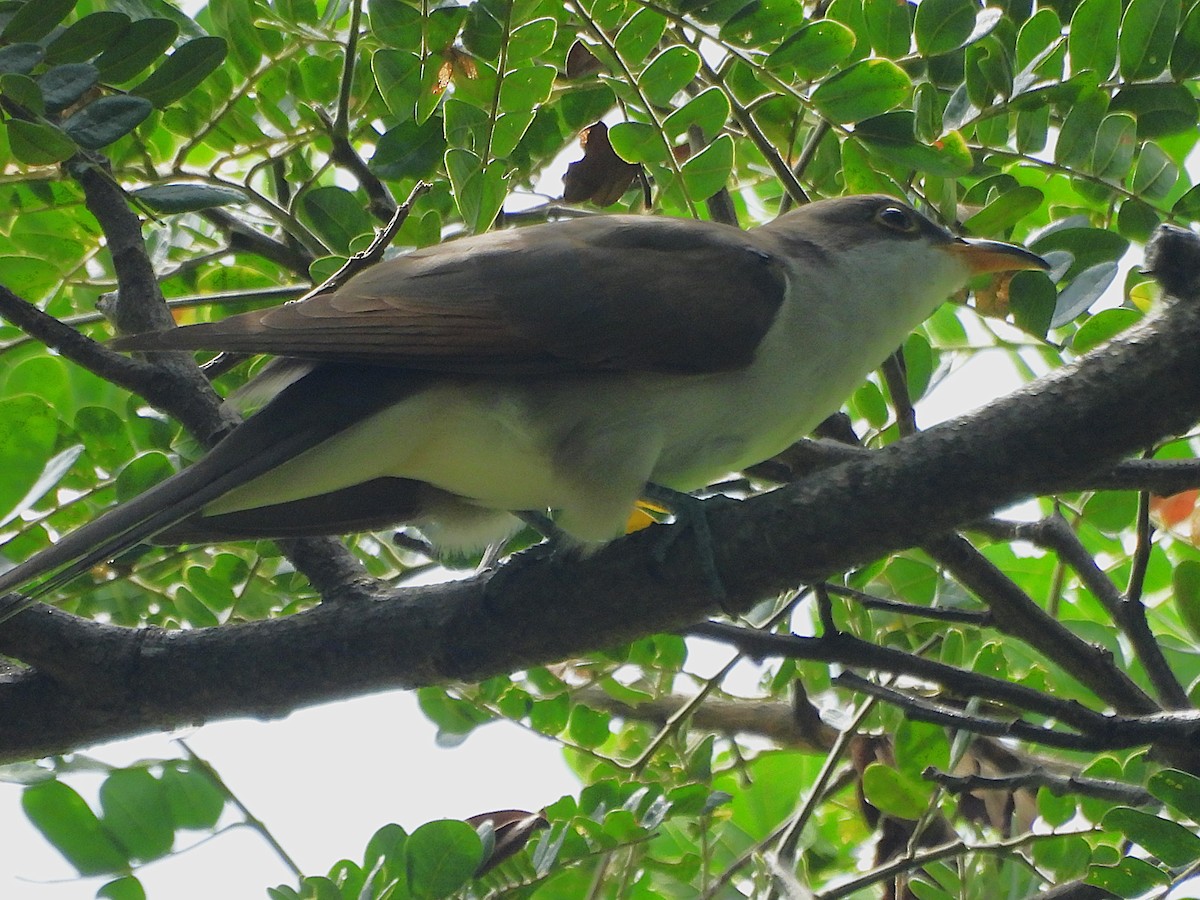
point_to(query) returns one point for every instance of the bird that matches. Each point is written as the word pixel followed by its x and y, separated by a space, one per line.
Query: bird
pixel 565 367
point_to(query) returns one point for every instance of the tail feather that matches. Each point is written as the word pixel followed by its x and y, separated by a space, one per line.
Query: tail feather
pixel 307 412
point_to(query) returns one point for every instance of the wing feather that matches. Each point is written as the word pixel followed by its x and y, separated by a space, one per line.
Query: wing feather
pixel 603 293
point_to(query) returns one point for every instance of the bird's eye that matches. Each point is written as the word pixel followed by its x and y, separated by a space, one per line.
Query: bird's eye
pixel 897 219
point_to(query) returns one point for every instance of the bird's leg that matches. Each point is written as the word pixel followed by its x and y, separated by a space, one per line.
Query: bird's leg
pixel 539 522
pixel 689 513
pixel 543 525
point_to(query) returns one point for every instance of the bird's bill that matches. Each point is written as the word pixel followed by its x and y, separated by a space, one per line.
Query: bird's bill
pixel 982 257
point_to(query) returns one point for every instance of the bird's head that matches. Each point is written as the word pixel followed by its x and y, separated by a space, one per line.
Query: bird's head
pixel 888 249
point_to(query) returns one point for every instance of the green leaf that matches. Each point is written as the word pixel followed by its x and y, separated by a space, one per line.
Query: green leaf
pixel 192 611
pixel 1031 297
pixel 20 58
pixel 1188 206
pixel 988 74
pixel 35 20
pixel 235 20
pixel 1103 327
pixel 1137 220
pixel 410 150
pixel 396 23
pixel 38 144
pixel 1005 211
pixel 1033 127
pixel 28 433
pixel 464 124
pixel 509 129
pixel 1179 790
pixel 891 136
pixel 1092 40
pixel 523 89
pixel 986 21
pixel 869 403
pixel 1185 581
pixel 31 278
pixel 892 792
pixel 814 50
pixel 531 39
pixel 1185 55
pixel 478 191
pixel 669 73
pixel 850 13
pixel 1161 109
pixel 864 89
pixel 136 814
pixel 440 857
pixel 1131 877
pixel 1110 511
pixel 583 106
pixel 708 171
pixel 1077 138
pixel 1115 142
pixel 92 34
pixel 1167 840
pixel 125 888
pixel 63 85
pixel 449 714
pixel 588 727
pixel 1038 33
pixel 639 36
pixel 398 77
pixel 1055 810
pixel 1146 37
pixel 194 801
pixel 637 142
pixel 183 70
pixel 105 120
pixel 71 827
pixel 482 33
pixel 773 782
pixel 136 48
pixel 1088 246
pixel 1084 290
pixel 337 217
pixel 142 472
pixel 1154 174
pixel 862 175
pixel 708 110
pixel 943 25
pixel 24 91
pixel 927 112
pixel 889 26
pixel 919 746
pixel 179 198
pixel 763 22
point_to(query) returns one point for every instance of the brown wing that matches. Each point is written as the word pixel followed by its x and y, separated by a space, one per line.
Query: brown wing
pixel 601 293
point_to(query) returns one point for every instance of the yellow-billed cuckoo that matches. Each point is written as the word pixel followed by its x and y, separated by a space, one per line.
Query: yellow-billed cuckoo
pixel 556 367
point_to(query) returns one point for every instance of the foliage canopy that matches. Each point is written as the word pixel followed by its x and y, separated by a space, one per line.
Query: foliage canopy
pixel 986 711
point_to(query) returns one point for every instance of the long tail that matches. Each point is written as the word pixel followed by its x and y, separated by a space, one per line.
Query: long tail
pixel 307 412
